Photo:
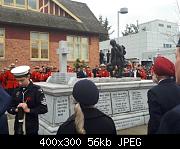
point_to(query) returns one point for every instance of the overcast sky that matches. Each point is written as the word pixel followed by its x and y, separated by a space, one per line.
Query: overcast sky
pixel 141 10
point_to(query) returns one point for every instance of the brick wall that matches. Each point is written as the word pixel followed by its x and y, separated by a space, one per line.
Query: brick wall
pixel 17 47
pixel 94 51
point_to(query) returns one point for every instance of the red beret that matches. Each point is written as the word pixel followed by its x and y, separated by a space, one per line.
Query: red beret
pixel 163 67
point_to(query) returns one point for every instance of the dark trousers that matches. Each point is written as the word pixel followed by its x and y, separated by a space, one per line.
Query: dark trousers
pixel 4 124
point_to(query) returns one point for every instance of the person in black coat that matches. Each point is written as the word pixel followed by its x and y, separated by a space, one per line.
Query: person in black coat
pixel 108 55
pixel 5 101
pixel 170 123
pixel 164 96
pixel 28 101
pixel 87 119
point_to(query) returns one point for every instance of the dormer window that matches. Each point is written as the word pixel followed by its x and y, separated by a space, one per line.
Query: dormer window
pixel 32 4
pixel 16 3
pixel 26 4
pixel 9 2
pixel 20 3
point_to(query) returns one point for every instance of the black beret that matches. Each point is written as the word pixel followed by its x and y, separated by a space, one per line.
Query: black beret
pixel 178 45
pixel 85 92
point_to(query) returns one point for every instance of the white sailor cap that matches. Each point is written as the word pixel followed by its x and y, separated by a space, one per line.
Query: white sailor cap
pixel 102 65
pixel 20 71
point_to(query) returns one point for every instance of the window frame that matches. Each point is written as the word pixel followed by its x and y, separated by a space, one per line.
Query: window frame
pixel 161 25
pixel 169 26
pixel 26 6
pixel 37 6
pixel 39 46
pixel 72 57
pixel 3 44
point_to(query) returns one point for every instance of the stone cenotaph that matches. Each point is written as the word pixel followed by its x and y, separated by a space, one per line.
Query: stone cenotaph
pixel 123 99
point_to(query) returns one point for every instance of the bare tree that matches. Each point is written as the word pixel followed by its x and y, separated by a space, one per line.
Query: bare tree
pixel 131 29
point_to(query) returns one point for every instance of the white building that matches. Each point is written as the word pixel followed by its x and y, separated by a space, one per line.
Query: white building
pixel 154 37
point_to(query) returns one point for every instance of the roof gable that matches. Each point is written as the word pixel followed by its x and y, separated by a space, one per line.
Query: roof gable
pixel 66 10
pixel 87 24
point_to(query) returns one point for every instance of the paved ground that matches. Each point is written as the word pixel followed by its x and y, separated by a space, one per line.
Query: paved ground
pixel 139 130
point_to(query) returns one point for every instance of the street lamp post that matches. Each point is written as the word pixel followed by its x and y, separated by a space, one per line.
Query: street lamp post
pixel 122 11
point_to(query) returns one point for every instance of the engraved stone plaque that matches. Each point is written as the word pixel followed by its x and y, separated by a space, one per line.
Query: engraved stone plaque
pixel 138 99
pixel 120 102
pixel 104 103
pixel 129 122
pixel 61 109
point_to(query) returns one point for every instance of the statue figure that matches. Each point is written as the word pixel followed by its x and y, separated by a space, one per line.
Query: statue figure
pixel 117 56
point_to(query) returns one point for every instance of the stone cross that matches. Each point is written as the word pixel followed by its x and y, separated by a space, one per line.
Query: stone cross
pixel 62 77
pixel 63 51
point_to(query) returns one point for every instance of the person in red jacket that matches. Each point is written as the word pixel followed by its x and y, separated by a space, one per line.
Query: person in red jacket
pixel 141 72
pixel 35 74
pixel 10 81
pixel 103 72
pixel 69 68
pixel 42 74
pixel 2 80
pixel 89 72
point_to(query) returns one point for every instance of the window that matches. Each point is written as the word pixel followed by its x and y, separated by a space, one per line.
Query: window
pixel 28 4
pixel 20 3
pixel 168 26
pixel 16 3
pixel 39 46
pixel 9 2
pixel 161 25
pixel 32 4
pixel 2 42
pixel 167 45
pixel 84 46
pixel 78 47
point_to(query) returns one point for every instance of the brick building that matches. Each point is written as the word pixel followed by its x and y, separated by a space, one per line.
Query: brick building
pixel 30 31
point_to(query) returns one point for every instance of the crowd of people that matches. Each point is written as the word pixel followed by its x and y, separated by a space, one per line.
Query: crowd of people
pixel 26 100
pixel 106 70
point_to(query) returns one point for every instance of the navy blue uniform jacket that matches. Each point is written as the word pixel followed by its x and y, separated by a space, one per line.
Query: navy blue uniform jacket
pixel 161 98
pixel 170 123
pixel 35 99
pixel 96 122
pixel 5 101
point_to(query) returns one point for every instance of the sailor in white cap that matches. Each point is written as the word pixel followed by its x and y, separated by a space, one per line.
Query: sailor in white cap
pixel 29 98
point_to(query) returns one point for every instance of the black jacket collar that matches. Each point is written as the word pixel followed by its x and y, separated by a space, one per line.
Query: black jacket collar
pixel 166 81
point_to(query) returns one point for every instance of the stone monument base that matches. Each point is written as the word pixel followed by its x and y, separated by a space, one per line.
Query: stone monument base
pixel 125 102
pixel 122 121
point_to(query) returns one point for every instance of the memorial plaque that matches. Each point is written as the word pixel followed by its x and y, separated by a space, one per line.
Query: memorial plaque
pixel 61 109
pixel 138 99
pixel 145 99
pixel 50 104
pixel 104 103
pixel 129 122
pixel 120 102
